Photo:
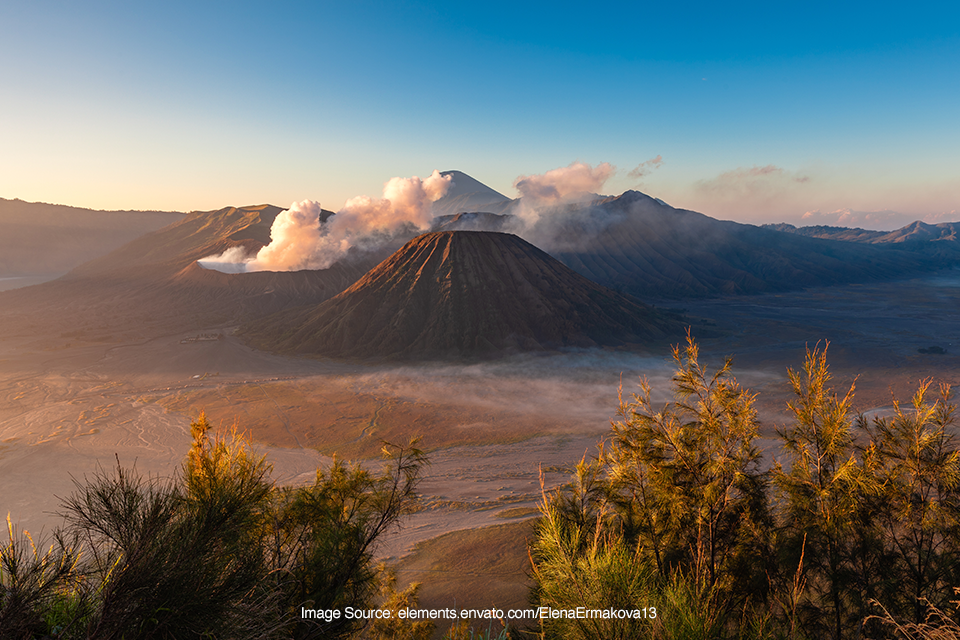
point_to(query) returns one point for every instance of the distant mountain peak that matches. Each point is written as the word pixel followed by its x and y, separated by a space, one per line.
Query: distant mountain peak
pixel 631 196
pixel 467 194
pixel 464 184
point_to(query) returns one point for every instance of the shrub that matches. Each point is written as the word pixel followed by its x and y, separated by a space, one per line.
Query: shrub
pixel 219 552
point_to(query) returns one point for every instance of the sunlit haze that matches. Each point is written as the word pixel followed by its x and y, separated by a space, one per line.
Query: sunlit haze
pixel 809 114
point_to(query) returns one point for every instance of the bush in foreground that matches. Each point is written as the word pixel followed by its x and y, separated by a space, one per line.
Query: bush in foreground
pixel 220 552
pixel 675 513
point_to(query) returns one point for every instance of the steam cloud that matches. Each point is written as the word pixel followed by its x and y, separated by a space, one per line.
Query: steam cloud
pixel 555 211
pixel 565 183
pixel 751 181
pixel 299 240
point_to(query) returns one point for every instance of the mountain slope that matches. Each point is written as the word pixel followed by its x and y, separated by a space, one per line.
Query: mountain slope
pixel 49 238
pixel 653 250
pixel 463 293
pixel 639 245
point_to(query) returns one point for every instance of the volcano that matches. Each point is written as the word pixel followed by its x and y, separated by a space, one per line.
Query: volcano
pixel 460 294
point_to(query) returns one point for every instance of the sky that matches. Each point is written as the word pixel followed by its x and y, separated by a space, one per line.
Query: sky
pixel 804 112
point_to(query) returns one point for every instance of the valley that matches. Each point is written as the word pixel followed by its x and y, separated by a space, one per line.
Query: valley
pixel 504 362
pixel 68 407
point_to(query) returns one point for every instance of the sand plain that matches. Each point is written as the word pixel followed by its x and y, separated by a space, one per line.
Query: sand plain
pixel 69 406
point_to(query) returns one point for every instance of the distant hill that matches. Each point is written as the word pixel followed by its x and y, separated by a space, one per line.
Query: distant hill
pixel 915 232
pixel 632 243
pixel 461 294
pixel 38 238
pixel 154 283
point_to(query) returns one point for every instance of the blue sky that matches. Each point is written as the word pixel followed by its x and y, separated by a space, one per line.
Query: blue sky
pixel 759 112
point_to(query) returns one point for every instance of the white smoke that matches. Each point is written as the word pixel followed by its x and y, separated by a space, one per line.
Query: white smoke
pixel 298 240
pixel 294 237
pixel 555 208
pixel 566 183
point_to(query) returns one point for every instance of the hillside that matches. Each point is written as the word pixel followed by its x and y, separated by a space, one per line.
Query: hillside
pixel 653 250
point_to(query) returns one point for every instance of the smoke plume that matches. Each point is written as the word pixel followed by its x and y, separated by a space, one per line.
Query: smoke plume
pixel 556 209
pixel 299 240
pixel 295 237
pixel 646 168
pixel 565 183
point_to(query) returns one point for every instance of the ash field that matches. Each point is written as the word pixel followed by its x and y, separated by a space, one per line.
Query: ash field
pixel 496 330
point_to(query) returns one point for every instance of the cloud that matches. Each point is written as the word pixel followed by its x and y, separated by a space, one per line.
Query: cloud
pixel 566 183
pixel 556 210
pixel 646 168
pixel 233 260
pixel 756 193
pixel 746 180
pixel 943 216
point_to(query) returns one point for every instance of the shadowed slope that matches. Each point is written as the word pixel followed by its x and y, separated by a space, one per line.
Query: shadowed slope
pixel 460 293
pixel 641 246
pixel 470 221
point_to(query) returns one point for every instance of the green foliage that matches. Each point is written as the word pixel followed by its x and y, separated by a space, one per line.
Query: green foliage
pixel 685 482
pixel 914 468
pixel 673 514
pixel 675 511
pixel 322 536
pixel 38 588
pixel 463 631
pixel 218 553
pixel 820 497
pixel 879 520
pixel 166 563
pixel 584 566
pixel 393 601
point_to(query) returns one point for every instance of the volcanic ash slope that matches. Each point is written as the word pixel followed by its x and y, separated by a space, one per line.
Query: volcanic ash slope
pixel 464 293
